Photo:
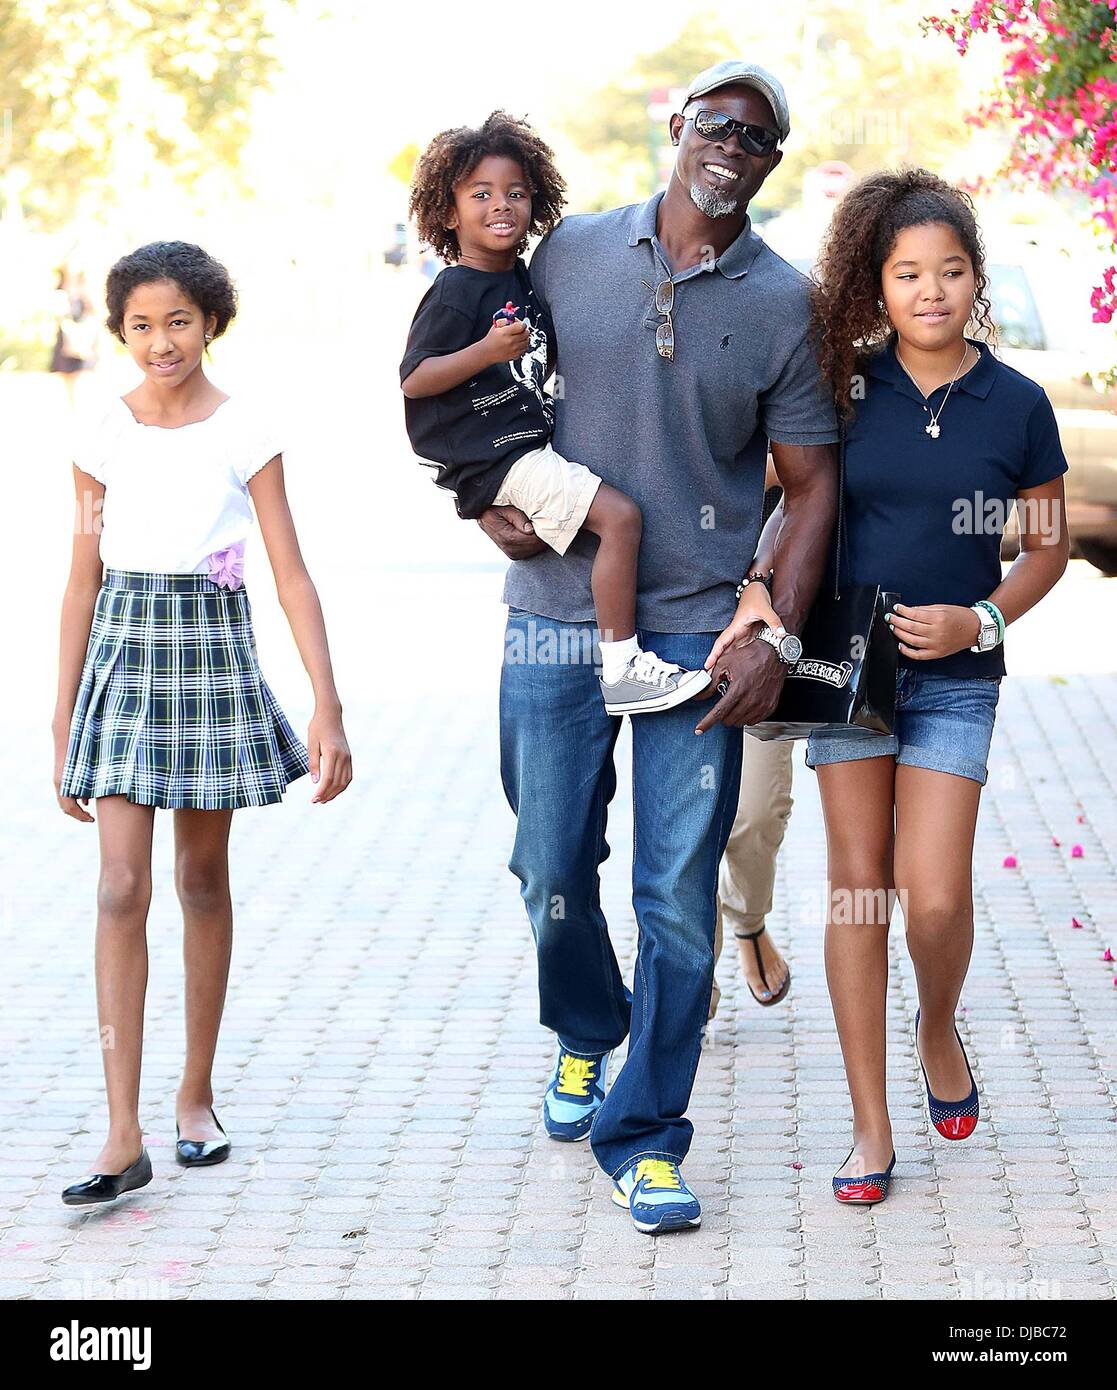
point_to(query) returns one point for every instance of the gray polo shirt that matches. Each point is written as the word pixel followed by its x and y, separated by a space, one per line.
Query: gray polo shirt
pixel 686 439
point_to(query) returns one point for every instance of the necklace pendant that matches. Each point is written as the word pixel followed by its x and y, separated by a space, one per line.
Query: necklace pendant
pixel 933 429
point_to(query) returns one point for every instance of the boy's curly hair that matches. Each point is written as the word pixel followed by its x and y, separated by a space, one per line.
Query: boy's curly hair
pixel 202 279
pixel 847 309
pixel 455 153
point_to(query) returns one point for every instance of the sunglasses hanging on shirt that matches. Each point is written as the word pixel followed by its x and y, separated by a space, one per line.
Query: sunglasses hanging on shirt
pixel 664 304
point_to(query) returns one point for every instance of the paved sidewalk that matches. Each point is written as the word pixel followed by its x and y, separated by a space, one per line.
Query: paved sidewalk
pixel 381 1066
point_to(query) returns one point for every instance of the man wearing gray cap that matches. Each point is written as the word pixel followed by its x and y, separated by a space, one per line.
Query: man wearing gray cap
pixel 683 350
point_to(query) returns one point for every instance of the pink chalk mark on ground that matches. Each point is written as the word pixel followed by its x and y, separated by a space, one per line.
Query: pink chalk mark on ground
pixel 127 1216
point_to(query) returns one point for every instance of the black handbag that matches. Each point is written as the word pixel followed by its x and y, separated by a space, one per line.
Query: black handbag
pixel 846 678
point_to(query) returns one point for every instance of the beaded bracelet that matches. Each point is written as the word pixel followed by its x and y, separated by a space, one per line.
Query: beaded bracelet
pixel 996 614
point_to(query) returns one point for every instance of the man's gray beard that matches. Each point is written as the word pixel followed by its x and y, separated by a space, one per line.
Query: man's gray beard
pixel 710 202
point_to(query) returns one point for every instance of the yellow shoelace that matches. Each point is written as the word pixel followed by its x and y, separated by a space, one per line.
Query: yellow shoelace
pixel 574 1075
pixel 658 1172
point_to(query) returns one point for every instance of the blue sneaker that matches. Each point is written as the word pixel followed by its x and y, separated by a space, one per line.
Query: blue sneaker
pixel 654 1192
pixel 574 1095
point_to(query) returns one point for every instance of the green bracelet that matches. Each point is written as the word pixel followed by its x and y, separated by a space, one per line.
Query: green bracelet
pixel 996 614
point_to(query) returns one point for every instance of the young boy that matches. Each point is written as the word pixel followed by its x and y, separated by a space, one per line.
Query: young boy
pixel 473 374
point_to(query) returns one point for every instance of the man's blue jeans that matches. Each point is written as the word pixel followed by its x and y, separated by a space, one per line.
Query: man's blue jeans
pixel 556 744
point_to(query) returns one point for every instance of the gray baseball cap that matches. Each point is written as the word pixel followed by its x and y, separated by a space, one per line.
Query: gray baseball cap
pixel 734 72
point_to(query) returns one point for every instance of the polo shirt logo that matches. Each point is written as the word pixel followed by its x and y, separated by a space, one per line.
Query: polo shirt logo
pixel 832 673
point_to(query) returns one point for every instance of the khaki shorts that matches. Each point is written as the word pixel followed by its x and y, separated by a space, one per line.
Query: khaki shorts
pixel 554 493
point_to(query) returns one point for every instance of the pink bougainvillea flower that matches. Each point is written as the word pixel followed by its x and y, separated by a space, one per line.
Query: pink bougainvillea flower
pixel 1063 132
pixel 1009 861
pixel 1076 851
pixel 1075 922
pixel 1056 841
pixel 1107 954
pixel 226 567
pixel 796 1166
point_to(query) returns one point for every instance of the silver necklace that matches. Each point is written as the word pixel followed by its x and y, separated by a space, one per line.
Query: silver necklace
pixel 933 428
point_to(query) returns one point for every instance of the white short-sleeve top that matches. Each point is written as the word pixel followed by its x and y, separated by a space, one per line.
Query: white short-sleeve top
pixel 175 496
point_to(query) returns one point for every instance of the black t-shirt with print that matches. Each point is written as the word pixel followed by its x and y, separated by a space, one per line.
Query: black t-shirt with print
pixel 475 432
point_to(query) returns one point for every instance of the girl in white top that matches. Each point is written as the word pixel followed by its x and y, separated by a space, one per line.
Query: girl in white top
pixel 192 480
pixel 161 701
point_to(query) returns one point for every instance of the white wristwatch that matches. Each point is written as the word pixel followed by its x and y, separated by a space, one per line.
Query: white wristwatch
pixel 989 634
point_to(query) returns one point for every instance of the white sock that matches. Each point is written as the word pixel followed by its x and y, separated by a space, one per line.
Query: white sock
pixel 615 657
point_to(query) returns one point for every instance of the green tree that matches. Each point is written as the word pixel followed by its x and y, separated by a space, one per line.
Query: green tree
pixel 88 88
pixel 402 164
pixel 864 94
pixel 613 124
pixel 858 78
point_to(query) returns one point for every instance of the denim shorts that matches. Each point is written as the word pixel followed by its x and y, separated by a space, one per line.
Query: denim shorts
pixel 943 723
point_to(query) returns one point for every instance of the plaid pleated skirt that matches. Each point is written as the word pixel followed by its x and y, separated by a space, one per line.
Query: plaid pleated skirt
pixel 172 709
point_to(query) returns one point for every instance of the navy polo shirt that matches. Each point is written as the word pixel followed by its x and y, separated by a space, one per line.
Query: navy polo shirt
pixel 925 516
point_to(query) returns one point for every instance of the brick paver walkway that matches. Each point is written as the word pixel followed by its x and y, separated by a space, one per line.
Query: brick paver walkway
pixel 381 1066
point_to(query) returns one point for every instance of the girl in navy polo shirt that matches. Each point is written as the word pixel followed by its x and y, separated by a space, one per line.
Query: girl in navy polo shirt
pixel 941 436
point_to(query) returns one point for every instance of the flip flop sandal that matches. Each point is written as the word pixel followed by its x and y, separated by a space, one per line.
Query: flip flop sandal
pixel 754 937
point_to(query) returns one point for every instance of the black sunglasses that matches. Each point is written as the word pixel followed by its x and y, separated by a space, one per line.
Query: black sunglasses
pixel 715 125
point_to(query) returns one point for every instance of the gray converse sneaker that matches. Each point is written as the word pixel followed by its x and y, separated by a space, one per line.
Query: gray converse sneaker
pixel 649 684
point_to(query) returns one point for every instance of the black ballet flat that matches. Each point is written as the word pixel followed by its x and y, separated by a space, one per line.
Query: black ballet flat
pixel 201 1153
pixel 106 1187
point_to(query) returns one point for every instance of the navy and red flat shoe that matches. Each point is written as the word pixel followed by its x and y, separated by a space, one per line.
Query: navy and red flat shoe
pixel 954 1119
pixel 863 1192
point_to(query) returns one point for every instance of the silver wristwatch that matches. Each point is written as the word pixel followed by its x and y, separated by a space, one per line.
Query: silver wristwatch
pixel 788 647
pixel 989 634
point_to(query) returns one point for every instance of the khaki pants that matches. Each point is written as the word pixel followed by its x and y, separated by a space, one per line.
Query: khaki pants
pixel 748 869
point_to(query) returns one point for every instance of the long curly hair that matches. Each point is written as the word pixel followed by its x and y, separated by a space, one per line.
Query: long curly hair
pixel 453 154
pixel 847 309
pixel 200 277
